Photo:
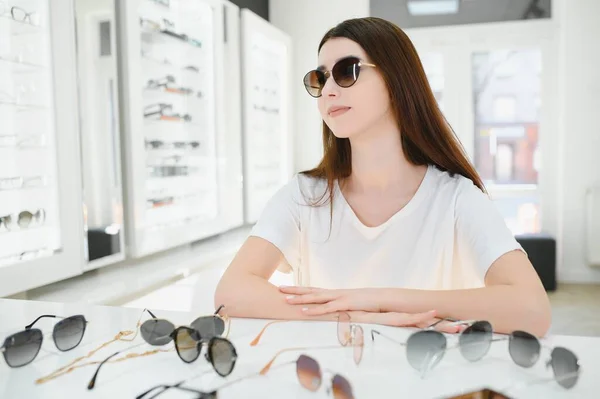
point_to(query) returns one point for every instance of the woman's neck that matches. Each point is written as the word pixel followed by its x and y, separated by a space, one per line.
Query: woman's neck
pixel 379 164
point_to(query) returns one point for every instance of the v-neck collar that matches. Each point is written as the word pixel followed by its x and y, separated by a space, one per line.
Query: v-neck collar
pixel 373 232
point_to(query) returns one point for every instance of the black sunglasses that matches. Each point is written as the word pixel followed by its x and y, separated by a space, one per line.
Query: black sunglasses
pixel 22 348
pixel 345 73
pixel 205 330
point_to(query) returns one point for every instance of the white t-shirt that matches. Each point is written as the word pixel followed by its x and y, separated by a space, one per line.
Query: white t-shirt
pixel 446 237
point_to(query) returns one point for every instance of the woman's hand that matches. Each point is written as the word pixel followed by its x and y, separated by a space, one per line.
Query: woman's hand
pixel 331 301
pixel 362 306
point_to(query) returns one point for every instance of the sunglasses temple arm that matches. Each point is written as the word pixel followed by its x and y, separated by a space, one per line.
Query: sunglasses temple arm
pixel 260 334
pixel 219 309
pixel 164 388
pixel 2 350
pixel 41 317
pixel 450 320
pixel 177 386
pixel 92 382
pixel 375 332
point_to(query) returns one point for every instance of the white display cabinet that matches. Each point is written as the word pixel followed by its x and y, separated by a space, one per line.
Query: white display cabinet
pixel 267 128
pixel 181 154
pixel 41 229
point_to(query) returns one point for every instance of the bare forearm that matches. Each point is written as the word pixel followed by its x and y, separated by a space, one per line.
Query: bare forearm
pixel 507 308
pixel 254 297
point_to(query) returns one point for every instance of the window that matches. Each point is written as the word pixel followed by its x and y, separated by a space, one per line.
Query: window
pixel 504 162
pixel 504 109
pixel 506 90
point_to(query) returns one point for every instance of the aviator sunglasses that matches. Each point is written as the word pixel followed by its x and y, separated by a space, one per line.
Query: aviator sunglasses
pixel 345 73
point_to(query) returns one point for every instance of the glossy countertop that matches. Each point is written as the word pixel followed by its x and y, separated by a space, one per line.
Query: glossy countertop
pixel 383 372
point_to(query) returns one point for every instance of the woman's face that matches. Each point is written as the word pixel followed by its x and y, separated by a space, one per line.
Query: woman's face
pixel 350 111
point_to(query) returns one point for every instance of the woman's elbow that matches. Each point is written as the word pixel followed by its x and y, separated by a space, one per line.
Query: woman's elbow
pixel 538 314
pixel 224 293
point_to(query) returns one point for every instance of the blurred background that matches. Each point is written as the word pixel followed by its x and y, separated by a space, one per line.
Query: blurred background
pixel 141 139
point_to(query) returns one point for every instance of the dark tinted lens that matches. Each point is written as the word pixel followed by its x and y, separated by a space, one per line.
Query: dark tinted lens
pixel 25 218
pixel 186 343
pixel 309 372
pixel 314 82
pixel 157 332
pixel 21 348
pixel 524 348
pixel 565 366
pixel 425 349
pixel 209 326
pixel 68 332
pixel 345 72
pixel 222 356
pixel 475 341
pixel 343 328
pixel 341 388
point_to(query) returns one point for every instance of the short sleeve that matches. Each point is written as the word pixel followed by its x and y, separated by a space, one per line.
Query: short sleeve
pixel 482 235
pixel 279 223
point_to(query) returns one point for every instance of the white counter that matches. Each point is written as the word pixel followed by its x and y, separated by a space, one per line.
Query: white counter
pixel 384 371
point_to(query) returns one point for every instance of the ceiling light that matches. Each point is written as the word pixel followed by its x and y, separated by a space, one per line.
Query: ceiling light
pixel 432 7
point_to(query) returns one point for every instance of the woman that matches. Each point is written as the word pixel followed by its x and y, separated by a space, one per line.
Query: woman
pixel 393 226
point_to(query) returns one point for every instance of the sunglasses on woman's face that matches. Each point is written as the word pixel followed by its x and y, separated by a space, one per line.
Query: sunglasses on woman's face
pixel 345 73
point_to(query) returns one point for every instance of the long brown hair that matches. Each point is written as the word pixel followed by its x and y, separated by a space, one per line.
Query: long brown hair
pixel 427 137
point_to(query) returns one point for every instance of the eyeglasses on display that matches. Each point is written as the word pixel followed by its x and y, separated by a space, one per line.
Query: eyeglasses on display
pixel 20 15
pixel 157 112
pixel 23 220
pixel 14 183
pixel 159 144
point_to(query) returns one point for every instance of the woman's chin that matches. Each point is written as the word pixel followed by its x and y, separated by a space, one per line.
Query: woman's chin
pixel 343 133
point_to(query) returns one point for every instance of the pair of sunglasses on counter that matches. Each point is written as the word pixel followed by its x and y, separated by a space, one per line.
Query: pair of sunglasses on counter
pixel 189 341
pixel 308 370
pixel 22 348
pixel 426 348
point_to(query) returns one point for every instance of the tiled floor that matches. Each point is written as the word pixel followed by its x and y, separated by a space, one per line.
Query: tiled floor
pixel 575 308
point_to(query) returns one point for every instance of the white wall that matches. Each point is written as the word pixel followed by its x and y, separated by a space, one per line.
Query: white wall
pixel 580 129
pixel 306 22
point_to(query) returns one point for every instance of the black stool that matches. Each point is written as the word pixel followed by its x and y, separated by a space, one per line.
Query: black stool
pixel 541 249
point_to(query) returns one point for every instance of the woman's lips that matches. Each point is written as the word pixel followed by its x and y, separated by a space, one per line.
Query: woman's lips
pixel 338 111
